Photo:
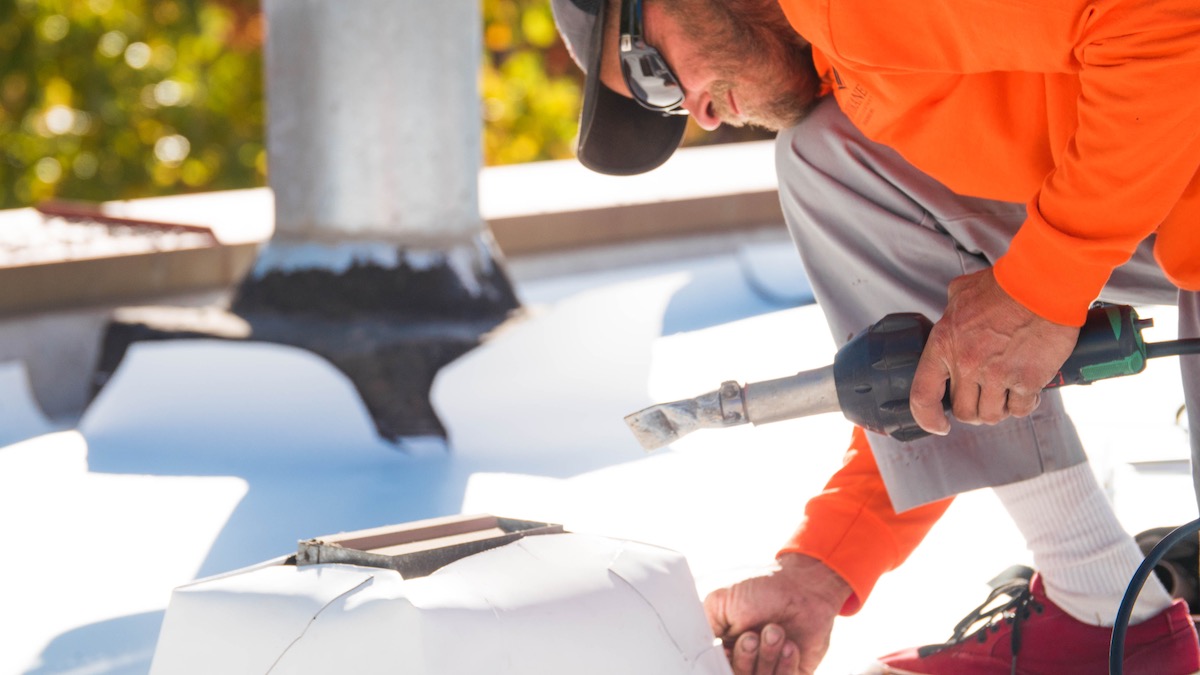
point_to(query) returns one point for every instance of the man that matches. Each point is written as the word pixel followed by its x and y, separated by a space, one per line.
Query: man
pixel 998 164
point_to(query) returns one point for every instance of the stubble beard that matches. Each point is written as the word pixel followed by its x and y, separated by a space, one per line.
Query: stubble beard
pixel 759 57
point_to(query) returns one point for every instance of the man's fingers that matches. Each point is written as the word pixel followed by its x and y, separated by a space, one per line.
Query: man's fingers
pixel 928 388
pixel 789 660
pixel 770 650
pixel 987 403
pixel 1022 405
pixel 964 401
pixel 745 654
pixel 766 653
pixel 993 404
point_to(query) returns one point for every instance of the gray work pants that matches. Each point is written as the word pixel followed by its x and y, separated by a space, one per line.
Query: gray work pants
pixel 879 236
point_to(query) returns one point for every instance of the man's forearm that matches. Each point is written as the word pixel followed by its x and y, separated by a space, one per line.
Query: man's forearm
pixel 852 527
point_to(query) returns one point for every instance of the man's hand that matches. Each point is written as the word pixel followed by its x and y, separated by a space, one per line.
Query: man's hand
pixel 778 624
pixel 997 354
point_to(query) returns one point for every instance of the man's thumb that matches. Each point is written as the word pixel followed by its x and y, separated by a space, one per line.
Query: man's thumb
pixel 716 608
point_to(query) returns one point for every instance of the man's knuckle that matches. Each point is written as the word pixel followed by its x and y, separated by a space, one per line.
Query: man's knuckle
pixel 1024 405
pixel 995 371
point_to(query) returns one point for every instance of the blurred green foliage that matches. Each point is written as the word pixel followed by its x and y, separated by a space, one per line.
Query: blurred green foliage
pixel 110 99
pixel 119 99
pixel 530 86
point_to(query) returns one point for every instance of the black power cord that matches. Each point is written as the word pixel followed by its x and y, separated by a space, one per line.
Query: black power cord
pixel 1116 648
pixel 1173 348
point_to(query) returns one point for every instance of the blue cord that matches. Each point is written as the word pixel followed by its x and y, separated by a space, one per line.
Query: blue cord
pixel 1116 648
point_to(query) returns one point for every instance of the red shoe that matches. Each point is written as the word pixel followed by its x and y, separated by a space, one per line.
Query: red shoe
pixel 1029 635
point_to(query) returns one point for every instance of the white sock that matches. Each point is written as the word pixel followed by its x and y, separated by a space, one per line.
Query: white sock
pixel 1084 556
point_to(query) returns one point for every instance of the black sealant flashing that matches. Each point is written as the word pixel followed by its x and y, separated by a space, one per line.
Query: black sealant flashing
pixel 389 329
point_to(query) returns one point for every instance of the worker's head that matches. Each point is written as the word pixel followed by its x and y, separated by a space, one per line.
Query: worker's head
pixel 649 63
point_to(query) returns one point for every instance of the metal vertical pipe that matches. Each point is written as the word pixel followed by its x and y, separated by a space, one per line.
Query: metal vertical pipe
pixel 374 132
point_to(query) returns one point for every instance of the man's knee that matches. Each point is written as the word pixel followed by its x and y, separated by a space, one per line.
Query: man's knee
pixel 815 143
pixel 833 180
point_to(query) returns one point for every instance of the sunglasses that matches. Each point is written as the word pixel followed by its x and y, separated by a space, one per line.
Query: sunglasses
pixel 646 72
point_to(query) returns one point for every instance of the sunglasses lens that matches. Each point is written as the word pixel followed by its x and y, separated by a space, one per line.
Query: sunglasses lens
pixel 650 80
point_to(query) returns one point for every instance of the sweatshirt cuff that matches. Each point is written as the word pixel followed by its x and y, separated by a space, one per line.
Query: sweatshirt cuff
pixel 1053 274
pixel 852 542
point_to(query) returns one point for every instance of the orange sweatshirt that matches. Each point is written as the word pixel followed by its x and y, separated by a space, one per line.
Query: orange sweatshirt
pixel 1089 112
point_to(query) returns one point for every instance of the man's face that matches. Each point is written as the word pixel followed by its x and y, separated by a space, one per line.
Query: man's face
pixel 739 62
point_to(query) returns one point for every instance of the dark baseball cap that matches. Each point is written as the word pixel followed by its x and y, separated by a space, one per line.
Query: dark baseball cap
pixel 616 135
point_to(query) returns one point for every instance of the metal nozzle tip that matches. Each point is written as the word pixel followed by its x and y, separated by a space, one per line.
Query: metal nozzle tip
pixel 652 428
pixel 665 423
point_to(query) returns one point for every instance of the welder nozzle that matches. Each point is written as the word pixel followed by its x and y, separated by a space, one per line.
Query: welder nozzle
pixel 807 393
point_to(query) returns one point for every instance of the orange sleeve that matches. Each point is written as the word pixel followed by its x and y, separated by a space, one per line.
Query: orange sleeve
pixel 852 527
pixel 1134 152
